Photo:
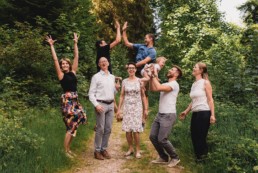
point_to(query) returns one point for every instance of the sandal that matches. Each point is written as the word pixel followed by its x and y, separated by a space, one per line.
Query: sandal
pixel 128 153
pixel 138 155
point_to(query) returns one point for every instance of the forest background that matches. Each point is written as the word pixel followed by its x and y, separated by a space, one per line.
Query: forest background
pixel 187 31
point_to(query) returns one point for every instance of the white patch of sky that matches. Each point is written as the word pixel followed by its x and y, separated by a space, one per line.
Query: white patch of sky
pixel 229 8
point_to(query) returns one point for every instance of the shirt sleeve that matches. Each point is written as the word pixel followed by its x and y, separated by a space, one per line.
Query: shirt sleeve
pixel 137 46
pixel 92 91
pixel 172 85
pixel 152 54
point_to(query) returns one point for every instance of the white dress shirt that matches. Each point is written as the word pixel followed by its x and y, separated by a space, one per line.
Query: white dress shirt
pixel 102 87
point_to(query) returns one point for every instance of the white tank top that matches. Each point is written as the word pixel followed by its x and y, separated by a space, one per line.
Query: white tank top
pixel 198 96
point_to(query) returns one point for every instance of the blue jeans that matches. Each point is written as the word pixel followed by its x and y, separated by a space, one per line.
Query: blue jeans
pixel 160 130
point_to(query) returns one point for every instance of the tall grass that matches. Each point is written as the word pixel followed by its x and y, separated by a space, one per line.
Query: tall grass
pixel 232 140
pixel 49 157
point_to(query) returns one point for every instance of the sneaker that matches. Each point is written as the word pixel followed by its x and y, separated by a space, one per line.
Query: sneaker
pixel 173 162
pixel 159 161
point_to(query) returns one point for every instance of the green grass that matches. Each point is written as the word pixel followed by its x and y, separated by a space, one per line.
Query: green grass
pixel 50 156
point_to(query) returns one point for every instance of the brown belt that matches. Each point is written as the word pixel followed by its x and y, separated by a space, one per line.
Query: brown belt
pixel 105 102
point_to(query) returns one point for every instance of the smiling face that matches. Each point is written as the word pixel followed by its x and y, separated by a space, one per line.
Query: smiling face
pixel 172 72
pixel 196 70
pixel 147 39
pixel 161 63
pixel 103 63
pixel 65 65
pixel 131 69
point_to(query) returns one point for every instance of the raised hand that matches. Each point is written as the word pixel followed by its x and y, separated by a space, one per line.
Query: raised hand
pixel 124 26
pixel 50 40
pixel 117 24
pixel 75 37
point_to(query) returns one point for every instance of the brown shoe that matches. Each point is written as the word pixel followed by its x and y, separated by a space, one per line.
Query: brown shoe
pixel 98 155
pixel 105 154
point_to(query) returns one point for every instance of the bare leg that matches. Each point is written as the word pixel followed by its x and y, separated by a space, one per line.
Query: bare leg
pixel 137 143
pixel 67 141
pixel 129 138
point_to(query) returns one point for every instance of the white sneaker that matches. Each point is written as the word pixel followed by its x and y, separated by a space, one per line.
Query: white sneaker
pixel 159 161
pixel 173 162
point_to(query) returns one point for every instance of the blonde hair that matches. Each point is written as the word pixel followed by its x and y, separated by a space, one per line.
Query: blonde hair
pixel 68 61
pixel 161 58
pixel 203 67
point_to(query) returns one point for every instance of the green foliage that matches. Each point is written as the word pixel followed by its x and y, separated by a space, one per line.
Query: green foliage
pixel 124 10
pixel 232 140
pixel 26 10
pixel 16 142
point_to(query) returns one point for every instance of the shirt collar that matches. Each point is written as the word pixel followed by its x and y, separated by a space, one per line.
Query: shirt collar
pixel 103 73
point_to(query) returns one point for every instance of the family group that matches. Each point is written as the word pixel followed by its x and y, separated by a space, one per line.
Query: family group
pixel 132 108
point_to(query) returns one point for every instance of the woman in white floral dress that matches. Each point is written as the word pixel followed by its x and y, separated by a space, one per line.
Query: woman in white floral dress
pixel 132 103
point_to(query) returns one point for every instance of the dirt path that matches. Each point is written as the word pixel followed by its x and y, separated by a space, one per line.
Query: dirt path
pixel 118 163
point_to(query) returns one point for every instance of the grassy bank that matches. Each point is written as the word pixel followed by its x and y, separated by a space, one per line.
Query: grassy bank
pixel 232 140
pixel 43 131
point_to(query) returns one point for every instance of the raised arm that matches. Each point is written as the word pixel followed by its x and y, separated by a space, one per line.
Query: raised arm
pixel 127 43
pixel 76 53
pixel 158 86
pixel 118 36
pixel 51 42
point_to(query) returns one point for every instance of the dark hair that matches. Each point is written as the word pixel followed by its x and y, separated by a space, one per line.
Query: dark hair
pixel 130 63
pixel 203 67
pixel 97 44
pixel 180 73
pixel 152 36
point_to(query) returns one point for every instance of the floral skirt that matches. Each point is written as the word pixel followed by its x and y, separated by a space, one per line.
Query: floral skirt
pixel 72 111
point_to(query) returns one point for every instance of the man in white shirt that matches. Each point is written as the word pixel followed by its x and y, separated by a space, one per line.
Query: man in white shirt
pixel 101 94
pixel 166 117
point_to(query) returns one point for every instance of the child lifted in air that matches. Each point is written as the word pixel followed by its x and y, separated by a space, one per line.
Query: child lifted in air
pixel 146 72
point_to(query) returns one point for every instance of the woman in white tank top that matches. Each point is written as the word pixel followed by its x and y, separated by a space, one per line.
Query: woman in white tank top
pixel 202 107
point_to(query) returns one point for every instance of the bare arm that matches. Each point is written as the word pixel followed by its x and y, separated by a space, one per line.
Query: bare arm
pixel 159 87
pixel 208 90
pixel 143 62
pixel 144 101
pixel 127 43
pixel 51 42
pixel 121 100
pixel 118 36
pixel 76 53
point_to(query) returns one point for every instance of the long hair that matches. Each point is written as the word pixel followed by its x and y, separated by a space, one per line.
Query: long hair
pixel 68 61
pixel 203 67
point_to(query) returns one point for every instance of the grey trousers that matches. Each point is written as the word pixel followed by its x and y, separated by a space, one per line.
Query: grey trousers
pixel 160 130
pixel 104 125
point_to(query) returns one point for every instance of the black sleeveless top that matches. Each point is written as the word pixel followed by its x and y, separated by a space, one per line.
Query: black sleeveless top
pixel 69 82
